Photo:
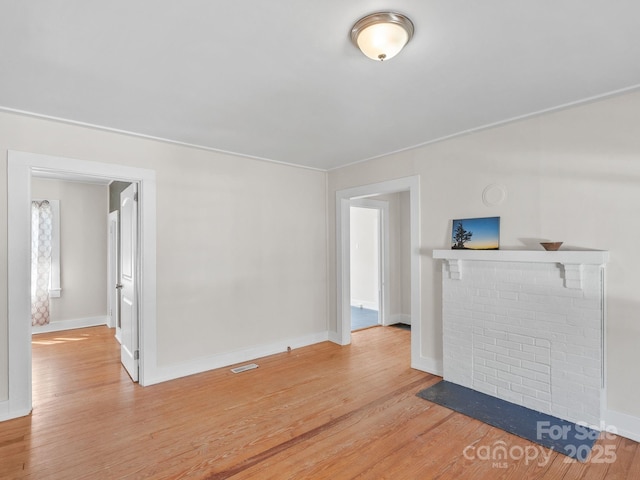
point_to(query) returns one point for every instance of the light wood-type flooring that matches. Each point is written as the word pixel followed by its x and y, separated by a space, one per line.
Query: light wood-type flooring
pixel 322 411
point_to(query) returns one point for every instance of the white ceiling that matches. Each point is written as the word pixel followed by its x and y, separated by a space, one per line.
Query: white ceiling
pixel 280 80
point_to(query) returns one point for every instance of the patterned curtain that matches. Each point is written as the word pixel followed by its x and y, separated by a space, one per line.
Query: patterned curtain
pixel 41 235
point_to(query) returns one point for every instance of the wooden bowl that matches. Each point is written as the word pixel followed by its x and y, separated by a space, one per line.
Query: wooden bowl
pixel 551 246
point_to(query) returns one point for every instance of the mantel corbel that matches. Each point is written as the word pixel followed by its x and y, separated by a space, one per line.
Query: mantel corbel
pixel 454 267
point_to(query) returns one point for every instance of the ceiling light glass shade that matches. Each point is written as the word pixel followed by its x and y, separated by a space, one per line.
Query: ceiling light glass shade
pixel 381 36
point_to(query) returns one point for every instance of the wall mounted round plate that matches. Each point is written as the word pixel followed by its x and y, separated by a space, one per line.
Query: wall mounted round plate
pixel 494 194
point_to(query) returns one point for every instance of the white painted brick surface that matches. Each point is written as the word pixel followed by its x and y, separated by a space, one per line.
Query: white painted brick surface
pixel 527 333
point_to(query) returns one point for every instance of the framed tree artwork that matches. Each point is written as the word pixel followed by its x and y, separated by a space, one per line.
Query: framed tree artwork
pixel 476 234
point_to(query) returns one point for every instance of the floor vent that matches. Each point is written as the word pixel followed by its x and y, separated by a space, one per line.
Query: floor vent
pixel 244 368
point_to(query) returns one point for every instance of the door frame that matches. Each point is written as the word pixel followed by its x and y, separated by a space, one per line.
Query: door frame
pixel 20 167
pixel 382 206
pixel 343 290
pixel 112 274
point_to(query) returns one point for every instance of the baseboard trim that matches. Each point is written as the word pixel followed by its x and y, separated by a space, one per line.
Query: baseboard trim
pixel 164 374
pixel 335 338
pixel 364 304
pixel 71 324
pixel 399 318
pixel 428 365
pixel 7 414
pixel 622 424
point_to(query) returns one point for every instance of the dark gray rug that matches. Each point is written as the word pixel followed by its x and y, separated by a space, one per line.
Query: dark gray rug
pixel 573 440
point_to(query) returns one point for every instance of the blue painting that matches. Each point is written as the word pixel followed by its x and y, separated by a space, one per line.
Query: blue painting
pixel 476 234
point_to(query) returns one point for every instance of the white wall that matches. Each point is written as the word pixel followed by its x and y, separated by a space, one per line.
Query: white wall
pixel 365 257
pixel 83 248
pixel 573 175
pixel 241 243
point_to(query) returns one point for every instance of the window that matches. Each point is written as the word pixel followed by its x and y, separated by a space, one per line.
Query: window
pixel 54 278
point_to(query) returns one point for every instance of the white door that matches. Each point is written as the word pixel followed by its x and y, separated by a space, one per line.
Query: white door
pixel 113 293
pixel 128 280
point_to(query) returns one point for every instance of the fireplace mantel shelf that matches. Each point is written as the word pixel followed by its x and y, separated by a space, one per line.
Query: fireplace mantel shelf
pixel 576 257
pixel 572 260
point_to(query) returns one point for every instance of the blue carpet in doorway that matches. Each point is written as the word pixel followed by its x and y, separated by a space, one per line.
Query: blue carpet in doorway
pixel 363 318
pixel 575 441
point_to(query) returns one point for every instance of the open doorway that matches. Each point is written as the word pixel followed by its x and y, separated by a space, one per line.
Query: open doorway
pixel 365 278
pixel 21 168
pixel 344 202
pixel 91 292
pixel 89 286
pixel 369 268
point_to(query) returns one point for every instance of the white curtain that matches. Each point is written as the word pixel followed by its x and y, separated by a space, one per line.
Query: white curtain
pixel 41 236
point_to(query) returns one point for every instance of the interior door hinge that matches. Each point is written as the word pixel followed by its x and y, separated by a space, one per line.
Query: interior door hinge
pixel 135 197
pixel 136 355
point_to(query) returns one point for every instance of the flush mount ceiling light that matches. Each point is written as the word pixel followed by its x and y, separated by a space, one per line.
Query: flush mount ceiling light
pixel 382 35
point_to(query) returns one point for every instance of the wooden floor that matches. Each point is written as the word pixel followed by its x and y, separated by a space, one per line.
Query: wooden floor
pixel 323 411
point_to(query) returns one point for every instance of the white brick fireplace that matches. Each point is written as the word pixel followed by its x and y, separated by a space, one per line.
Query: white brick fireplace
pixel 527 327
